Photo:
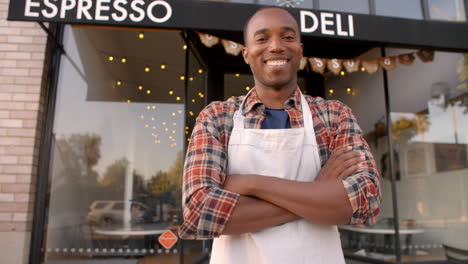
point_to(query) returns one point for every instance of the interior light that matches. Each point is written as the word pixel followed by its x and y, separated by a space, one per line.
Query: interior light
pixel 173 131
pixel 148 91
pixel 142 116
pixel 237 74
pixel 171 92
pixel 190 113
pixel 152 118
pixel 191 79
pixel 166 129
pixel 163 66
pixel 147 69
pixel 163 123
pixel 247 88
pixel 200 71
pixel 348 90
pixel 141 35
pixel 180 111
pixel 119 82
pixel 148 107
pixel 182 77
pixel 123 60
pixel 342 73
pixel 174 124
pixel 188 139
pixel 193 101
pixel 363 68
pixel 111 58
pixel 173 114
pixel 178 98
pixel 187 128
pixel 129 101
pixel 154 128
pixel 186 132
pixel 146 125
pixel 140 87
pixel 154 107
pixel 331 91
pixel 184 47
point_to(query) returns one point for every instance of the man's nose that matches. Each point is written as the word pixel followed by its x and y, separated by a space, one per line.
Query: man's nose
pixel 276 45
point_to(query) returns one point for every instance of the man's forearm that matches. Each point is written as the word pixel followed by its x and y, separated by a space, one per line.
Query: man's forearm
pixel 323 202
pixel 252 214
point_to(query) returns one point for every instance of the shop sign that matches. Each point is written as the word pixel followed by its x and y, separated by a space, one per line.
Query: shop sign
pixel 158 11
pixel 330 24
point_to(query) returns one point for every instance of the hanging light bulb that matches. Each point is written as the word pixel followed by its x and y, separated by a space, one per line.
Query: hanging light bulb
pixel 331 91
pixel 123 60
pixel 178 98
pixel 193 101
pixel 184 47
pixel 171 92
pixel 342 73
pixel 173 131
pixel 186 132
pixel 148 107
pixel 182 77
pixel 200 71
pixel 180 112
pixel 173 114
pixel 247 88
pixel 163 66
pixel 140 87
pixel 147 69
pixel 129 101
pixel 141 35
pixel 363 68
pixel 187 128
pixel 191 79
pixel 190 113
pixel 119 82
pixel 166 129
pixel 152 118
pixel 154 107
pixel 148 91
pixel 348 90
pixel 111 58
pixel 237 74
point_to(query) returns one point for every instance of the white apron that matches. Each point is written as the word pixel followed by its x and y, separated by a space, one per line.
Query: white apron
pixel 284 153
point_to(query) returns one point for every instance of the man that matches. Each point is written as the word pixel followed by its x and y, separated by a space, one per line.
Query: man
pixel 269 175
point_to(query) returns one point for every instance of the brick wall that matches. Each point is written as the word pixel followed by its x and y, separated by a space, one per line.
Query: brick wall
pixel 22 52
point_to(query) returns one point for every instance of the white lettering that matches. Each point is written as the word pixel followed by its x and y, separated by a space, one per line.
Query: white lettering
pixel 168 15
pixel 318 62
pixel 137 9
pixel 65 7
pixel 27 9
pixel 122 10
pixel 335 63
pixel 315 23
pixel 101 7
pixel 324 23
pixel 351 25
pixel 83 9
pixel 339 26
pixel 54 9
pixel 387 61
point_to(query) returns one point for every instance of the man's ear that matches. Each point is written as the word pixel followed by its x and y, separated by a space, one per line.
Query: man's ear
pixel 245 54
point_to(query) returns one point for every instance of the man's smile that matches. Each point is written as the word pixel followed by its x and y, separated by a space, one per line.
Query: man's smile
pixel 276 62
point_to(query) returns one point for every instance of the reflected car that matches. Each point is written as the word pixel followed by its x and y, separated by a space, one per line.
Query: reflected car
pixel 111 212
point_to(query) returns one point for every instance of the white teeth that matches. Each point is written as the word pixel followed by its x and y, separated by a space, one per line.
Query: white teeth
pixel 276 62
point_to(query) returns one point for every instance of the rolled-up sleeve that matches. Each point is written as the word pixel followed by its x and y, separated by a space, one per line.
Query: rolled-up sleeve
pixel 363 186
pixel 207 207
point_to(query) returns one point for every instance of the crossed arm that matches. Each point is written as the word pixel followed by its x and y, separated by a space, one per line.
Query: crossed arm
pixel 345 192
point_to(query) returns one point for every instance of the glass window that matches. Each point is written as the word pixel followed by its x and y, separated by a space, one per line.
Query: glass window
pixel 451 10
pixel 399 8
pixel 429 104
pixel 118 143
pixel 349 6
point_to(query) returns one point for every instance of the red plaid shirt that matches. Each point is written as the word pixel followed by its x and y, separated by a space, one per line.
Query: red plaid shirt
pixel 207 207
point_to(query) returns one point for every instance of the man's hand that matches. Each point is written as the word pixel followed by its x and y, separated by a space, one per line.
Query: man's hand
pixel 342 163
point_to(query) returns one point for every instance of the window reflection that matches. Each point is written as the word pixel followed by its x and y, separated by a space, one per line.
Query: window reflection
pixel 452 10
pixel 399 8
pixel 117 158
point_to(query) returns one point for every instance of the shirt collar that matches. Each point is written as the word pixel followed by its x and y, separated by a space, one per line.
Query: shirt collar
pixel 253 102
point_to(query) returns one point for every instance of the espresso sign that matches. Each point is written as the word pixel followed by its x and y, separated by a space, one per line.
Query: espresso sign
pixel 158 11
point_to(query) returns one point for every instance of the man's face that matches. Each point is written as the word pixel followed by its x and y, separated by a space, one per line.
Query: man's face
pixel 273 48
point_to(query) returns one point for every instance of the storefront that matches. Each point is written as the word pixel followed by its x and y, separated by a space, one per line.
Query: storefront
pixel 126 80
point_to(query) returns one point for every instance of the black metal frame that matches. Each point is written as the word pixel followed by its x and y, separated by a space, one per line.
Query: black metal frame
pixel 55 36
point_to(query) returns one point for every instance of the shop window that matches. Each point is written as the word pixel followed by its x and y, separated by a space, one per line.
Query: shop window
pixel 451 10
pixel 399 8
pixel 354 6
pixel 118 146
pixel 429 104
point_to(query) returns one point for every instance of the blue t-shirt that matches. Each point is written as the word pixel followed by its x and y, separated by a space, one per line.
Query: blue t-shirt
pixel 276 119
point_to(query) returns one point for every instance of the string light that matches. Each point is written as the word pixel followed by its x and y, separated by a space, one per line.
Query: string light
pixel 342 73
pixel 146 126
pixel 171 92
pixel 178 98
pixel 184 47
pixel 188 139
pixel 148 91
pixel 129 101
pixel 123 60
pixel 141 35
pixel 348 90
pixel 191 79
pixel 187 128
pixel 111 58
pixel 180 112
pixel 331 91
pixel 173 114
pixel 154 107
pixel 140 87
pixel 182 77
pixel 163 66
pixel 363 68
pixel 148 107
pixel 119 82
pixel 186 132
pixel 190 113
pixel 247 88
pixel 147 69
pixel 200 71
pixel 201 95
pixel 193 101
pixel 152 118
pixel 237 74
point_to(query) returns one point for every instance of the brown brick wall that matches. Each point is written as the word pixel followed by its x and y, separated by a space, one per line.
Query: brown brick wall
pixel 22 52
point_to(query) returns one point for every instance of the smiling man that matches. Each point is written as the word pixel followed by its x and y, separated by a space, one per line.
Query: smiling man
pixel 269 175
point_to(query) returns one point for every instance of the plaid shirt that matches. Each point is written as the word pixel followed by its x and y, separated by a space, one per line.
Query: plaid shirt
pixel 207 207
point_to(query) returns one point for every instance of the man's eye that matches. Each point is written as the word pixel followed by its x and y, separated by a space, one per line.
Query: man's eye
pixel 289 37
pixel 261 39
